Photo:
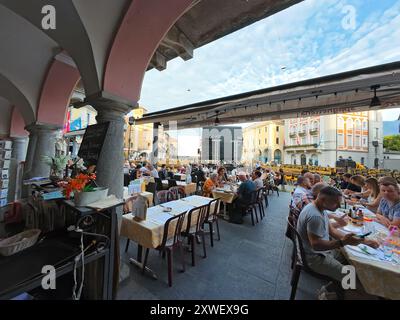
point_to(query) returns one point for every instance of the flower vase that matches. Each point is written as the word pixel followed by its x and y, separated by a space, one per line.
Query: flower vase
pixel 82 199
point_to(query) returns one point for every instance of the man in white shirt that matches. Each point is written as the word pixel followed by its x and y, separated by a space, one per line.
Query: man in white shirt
pixel 257 179
pixel 303 190
pixel 153 171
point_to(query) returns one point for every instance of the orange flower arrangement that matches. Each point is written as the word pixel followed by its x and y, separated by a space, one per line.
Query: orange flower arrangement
pixel 81 183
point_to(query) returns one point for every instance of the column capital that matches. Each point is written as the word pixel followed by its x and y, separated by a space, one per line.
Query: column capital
pixel 104 100
pixel 19 138
pixel 38 127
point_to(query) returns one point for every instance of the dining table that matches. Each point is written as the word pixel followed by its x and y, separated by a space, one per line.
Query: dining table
pixel 378 272
pixel 149 233
pixel 190 188
pixel 226 196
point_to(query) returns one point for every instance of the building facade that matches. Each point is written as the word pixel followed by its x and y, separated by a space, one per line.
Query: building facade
pixel 222 144
pixel 263 142
pixel 138 138
pixel 77 120
pixel 322 140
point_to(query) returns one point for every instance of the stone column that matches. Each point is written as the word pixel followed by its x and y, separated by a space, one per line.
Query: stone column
pixel 19 148
pixel 154 154
pixel 17 156
pixel 111 161
pixel 42 140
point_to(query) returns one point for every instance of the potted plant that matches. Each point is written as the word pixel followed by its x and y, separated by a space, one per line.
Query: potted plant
pixel 84 189
pixel 57 165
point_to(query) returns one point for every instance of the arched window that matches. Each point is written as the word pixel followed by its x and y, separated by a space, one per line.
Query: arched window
pixel 357 141
pixel 293 159
pixel 350 140
pixel 340 140
pixel 358 124
pixel 314 160
pixel 365 125
pixel 349 124
pixel 304 127
pixel 315 125
pixel 340 123
pixel 278 156
pixel 303 159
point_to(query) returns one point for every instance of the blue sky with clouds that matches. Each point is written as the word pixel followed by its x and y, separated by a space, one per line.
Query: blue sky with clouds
pixel 311 39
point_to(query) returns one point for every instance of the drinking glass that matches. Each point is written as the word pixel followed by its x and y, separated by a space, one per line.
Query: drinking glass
pixel 388 251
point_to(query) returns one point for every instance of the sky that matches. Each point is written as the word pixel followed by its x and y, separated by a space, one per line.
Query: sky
pixel 308 40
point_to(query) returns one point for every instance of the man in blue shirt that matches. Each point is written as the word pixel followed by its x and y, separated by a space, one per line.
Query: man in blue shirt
pixel 243 199
pixel 388 212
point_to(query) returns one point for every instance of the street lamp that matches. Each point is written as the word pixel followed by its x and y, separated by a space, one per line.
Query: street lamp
pixel 131 122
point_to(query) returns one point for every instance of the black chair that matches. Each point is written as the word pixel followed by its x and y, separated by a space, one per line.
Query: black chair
pixel 159 184
pixel 301 264
pixel 199 189
pixel 173 226
pixel 291 235
pixel 178 192
pixel 177 177
pixel 265 194
pixel 127 179
pixel 164 196
pixel 171 183
pixel 251 208
pixel 170 175
pixel 199 216
pixel 213 218
pixel 260 202
pixel 271 187
pixel 152 187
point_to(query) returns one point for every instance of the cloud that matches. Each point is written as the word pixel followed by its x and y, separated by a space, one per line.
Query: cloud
pixel 308 39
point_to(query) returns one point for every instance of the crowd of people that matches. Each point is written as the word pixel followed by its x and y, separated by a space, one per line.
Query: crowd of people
pixel 313 203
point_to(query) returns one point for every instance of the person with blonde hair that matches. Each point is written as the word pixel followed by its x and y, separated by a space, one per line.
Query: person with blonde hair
pixel 374 198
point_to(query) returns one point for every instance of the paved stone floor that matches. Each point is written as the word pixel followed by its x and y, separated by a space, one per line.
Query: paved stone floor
pixel 248 263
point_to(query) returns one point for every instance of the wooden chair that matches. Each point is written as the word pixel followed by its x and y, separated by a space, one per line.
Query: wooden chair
pixel 301 264
pixel 213 218
pixel 191 232
pixel 164 196
pixel 169 243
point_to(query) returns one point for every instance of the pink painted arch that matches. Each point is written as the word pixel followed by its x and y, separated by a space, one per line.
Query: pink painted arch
pixel 56 93
pixel 145 24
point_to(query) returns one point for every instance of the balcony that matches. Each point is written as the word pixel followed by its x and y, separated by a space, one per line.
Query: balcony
pixel 302 146
pixel 314 132
pixel 302 133
pixel 292 135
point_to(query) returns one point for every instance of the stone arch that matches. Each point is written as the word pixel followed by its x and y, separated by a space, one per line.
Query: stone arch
pixel 58 86
pixel 145 22
pixel 10 92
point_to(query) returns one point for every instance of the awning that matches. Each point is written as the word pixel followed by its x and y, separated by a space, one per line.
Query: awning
pixel 350 91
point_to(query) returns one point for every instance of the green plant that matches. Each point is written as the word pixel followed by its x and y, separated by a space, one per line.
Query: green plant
pixel 57 163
